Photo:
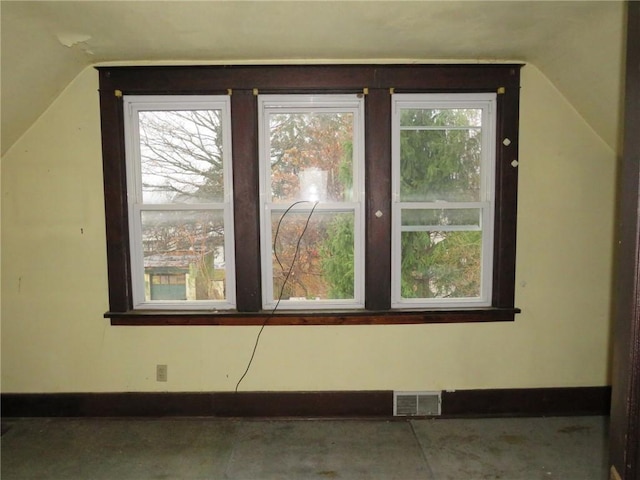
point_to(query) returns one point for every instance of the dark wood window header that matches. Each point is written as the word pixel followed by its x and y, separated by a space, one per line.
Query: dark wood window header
pixel 297 78
pixel 375 82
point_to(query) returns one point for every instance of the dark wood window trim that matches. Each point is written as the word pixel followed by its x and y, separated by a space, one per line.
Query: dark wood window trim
pixel 375 82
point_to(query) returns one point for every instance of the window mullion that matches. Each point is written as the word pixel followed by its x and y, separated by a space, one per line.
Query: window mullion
pixel 244 125
pixel 378 202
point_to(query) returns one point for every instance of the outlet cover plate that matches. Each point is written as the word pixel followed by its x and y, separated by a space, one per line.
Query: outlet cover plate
pixel 161 373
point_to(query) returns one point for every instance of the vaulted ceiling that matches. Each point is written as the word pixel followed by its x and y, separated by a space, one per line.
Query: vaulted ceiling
pixel 578 45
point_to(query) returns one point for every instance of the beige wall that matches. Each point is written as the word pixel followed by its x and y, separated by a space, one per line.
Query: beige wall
pixel 54 286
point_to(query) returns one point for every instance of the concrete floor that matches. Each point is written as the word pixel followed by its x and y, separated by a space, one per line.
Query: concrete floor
pixel 568 448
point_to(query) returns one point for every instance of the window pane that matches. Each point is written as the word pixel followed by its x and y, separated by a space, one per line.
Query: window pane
pixel 441 264
pixel 181 156
pixel 440 165
pixel 324 264
pixel 311 156
pixel 184 255
pixel 441 217
pixel 439 117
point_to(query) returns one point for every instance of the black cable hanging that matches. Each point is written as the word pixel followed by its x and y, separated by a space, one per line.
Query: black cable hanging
pixel 284 283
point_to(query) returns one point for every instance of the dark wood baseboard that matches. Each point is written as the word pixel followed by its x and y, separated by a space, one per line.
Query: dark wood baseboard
pixel 527 402
pixel 342 404
pixel 219 404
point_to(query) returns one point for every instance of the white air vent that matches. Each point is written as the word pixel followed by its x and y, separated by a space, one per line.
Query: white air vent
pixel 411 404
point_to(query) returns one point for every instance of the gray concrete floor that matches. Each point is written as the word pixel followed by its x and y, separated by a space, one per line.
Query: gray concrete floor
pixel 568 448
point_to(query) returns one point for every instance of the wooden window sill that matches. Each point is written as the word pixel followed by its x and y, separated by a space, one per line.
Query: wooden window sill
pixel 360 317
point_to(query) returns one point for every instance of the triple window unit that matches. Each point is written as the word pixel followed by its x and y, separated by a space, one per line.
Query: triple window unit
pixel 311 194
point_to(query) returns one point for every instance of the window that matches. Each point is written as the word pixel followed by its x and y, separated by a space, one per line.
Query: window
pixel 336 194
pixel 443 199
pixel 311 170
pixel 178 159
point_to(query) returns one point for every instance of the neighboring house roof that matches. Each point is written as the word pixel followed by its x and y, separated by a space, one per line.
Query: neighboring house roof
pixel 173 260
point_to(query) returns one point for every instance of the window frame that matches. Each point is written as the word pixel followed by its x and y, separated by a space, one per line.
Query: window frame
pixel 485 204
pixel 376 83
pixel 132 106
pixel 317 103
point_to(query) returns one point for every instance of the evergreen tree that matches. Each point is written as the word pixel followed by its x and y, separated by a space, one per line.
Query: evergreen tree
pixel 440 164
pixel 338 253
pixel 436 165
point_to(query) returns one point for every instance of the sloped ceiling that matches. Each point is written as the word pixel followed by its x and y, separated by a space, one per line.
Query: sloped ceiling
pixel 578 45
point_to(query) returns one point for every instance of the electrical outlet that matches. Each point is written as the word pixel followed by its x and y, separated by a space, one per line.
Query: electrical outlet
pixel 161 373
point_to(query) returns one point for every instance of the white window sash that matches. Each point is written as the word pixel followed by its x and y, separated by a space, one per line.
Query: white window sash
pixel 295 103
pixel 133 104
pixel 486 205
